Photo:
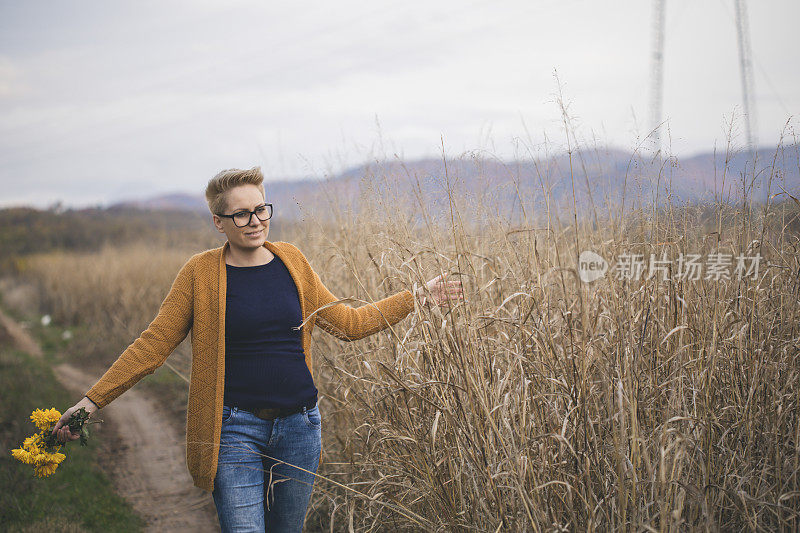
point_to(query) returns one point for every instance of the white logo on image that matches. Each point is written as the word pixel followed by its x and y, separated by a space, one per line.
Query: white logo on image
pixel 591 266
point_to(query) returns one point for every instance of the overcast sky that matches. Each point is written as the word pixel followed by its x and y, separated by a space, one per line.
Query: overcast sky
pixel 107 100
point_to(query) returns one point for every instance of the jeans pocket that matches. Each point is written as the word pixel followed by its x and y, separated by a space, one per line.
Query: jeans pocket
pixel 312 417
pixel 227 413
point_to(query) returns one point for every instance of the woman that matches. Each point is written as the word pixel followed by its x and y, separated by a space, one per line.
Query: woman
pixel 253 432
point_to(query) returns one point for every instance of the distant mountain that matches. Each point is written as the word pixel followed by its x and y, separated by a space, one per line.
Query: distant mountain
pixel 598 178
pixel 280 193
pixel 174 201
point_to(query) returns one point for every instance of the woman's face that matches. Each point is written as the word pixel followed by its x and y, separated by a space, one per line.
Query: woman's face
pixel 243 198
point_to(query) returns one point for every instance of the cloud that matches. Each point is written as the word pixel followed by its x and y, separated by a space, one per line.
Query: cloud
pixel 124 92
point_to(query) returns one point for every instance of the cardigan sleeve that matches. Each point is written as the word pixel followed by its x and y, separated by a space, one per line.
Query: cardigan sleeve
pixel 154 345
pixel 349 323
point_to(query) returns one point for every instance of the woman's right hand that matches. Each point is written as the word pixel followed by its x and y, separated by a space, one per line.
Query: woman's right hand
pixel 61 429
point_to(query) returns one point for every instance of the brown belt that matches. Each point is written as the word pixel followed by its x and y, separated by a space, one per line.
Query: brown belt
pixel 271 413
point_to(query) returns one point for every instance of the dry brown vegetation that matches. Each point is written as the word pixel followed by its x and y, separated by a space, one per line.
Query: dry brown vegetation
pixel 542 403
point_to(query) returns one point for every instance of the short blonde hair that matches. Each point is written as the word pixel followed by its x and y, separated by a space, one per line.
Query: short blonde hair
pixel 227 180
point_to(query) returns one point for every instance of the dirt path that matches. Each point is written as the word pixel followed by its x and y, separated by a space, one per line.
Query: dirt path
pixel 150 469
pixel 151 473
pixel 21 339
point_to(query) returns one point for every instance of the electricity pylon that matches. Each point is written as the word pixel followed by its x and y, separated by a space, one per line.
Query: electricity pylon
pixel 746 68
pixel 657 74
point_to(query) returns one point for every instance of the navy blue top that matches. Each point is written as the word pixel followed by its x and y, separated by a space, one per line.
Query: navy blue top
pixel 264 360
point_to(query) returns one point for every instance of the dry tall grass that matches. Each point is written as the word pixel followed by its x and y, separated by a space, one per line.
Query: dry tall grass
pixel 542 403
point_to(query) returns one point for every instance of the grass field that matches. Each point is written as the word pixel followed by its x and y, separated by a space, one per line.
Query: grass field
pixel 541 403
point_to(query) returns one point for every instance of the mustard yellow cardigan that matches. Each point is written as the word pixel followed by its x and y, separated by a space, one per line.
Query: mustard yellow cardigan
pixel 196 302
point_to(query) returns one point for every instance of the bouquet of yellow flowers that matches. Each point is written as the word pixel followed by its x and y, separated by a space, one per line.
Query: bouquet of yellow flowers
pixel 41 450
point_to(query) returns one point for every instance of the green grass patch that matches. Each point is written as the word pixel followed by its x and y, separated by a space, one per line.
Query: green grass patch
pixel 78 497
pixel 171 390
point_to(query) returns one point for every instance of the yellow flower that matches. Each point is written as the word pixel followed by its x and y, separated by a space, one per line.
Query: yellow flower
pixel 33 444
pixel 45 418
pixel 40 459
pixel 45 469
pixel 57 457
pixel 33 440
pixel 24 456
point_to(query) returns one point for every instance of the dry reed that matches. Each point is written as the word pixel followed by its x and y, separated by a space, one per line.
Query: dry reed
pixel 542 403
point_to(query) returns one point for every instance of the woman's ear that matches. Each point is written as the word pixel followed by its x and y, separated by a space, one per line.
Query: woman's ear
pixel 218 223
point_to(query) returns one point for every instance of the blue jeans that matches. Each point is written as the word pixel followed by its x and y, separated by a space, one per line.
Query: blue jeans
pixel 253 492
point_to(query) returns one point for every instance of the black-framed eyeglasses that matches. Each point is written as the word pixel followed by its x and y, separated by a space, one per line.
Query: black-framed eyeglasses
pixel 243 217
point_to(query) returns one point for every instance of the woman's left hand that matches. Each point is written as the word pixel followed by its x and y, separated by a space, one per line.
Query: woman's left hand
pixel 442 291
